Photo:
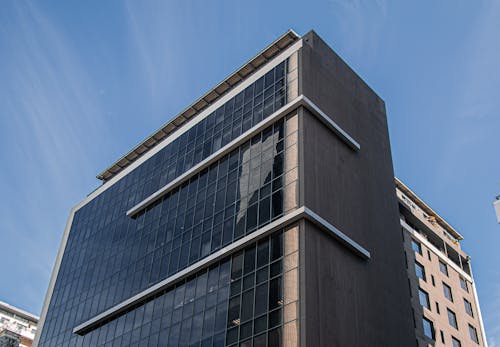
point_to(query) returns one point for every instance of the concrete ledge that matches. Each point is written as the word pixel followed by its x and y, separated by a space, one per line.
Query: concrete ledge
pixel 300 213
pixel 282 112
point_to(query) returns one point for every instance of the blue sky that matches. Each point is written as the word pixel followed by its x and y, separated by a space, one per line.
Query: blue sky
pixel 83 82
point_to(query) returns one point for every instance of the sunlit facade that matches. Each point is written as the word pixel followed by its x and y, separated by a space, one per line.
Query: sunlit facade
pixel 262 215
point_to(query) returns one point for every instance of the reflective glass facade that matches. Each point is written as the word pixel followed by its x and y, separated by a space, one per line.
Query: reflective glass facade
pixel 239 299
pixel 109 257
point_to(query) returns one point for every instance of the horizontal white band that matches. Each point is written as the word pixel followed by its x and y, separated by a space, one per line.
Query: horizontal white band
pixel 283 111
pixel 300 213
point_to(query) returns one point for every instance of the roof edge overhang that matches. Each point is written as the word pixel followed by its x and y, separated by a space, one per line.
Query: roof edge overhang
pixel 247 69
pixel 19 312
pixel 427 209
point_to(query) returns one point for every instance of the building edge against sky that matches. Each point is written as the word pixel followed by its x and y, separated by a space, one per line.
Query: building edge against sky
pixel 339 237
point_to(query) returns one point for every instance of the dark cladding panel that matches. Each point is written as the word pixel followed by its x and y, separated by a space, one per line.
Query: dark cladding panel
pixel 359 303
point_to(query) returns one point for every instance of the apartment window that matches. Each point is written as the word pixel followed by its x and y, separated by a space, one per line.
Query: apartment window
pixel 473 334
pixel 463 284
pixel 447 292
pixel 443 267
pixel 468 307
pixel 428 328
pixel 429 255
pixel 420 271
pixel 452 319
pixel 417 247
pixel 437 307
pixel 455 342
pixel 423 297
pixel 442 336
pixel 433 282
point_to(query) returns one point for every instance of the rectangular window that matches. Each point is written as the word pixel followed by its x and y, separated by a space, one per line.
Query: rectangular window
pixel 443 267
pixel 473 334
pixel 455 342
pixel 428 328
pixel 423 297
pixel 442 337
pixel 463 284
pixel 420 271
pixel 437 307
pixel 468 308
pixel 452 319
pixel 210 306
pixel 417 247
pixel 447 292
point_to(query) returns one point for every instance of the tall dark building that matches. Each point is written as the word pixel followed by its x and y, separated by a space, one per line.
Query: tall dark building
pixel 262 215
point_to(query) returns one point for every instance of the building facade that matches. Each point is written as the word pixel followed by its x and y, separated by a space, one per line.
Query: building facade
pixel 17 327
pixel 496 206
pixel 262 215
pixel 444 299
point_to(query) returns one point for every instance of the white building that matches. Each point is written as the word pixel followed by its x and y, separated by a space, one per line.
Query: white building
pixel 496 204
pixel 17 327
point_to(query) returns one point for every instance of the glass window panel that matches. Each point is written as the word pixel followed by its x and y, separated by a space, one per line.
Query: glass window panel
pixel 248 281
pixel 275 318
pixel 246 330
pixel 420 271
pixel 443 268
pixel 452 319
pixel 275 293
pixel 232 335
pixel 416 246
pixel 423 298
pixel 235 287
pixel 233 316
pixel 208 323
pixel 249 260
pixel 261 293
pixel 473 334
pixel 463 284
pixel 172 231
pixel 264 211
pixel 247 300
pixel 468 307
pixel 447 292
pixel 455 342
pixel 428 328
pixel 274 338
pixel 262 275
pixel 237 266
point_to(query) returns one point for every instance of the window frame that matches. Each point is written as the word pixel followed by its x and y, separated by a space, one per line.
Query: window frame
pixel 423 293
pixel 416 246
pixel 468 308
pixel 455 342
pixel 446 290
pixel 452 318
pixel 431 326
pixel 424 277
pixel 475 337
pixel 463 284
pixel 443 267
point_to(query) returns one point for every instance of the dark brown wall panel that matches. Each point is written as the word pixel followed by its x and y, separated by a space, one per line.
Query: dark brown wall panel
pixel 350 301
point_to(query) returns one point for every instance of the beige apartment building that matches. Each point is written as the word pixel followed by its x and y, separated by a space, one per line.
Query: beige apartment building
pixel 443 294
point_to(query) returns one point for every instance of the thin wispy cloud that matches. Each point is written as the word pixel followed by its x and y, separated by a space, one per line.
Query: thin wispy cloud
pixel 154 43
pixel 49 111
pixel 360 21
pixel 84 82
